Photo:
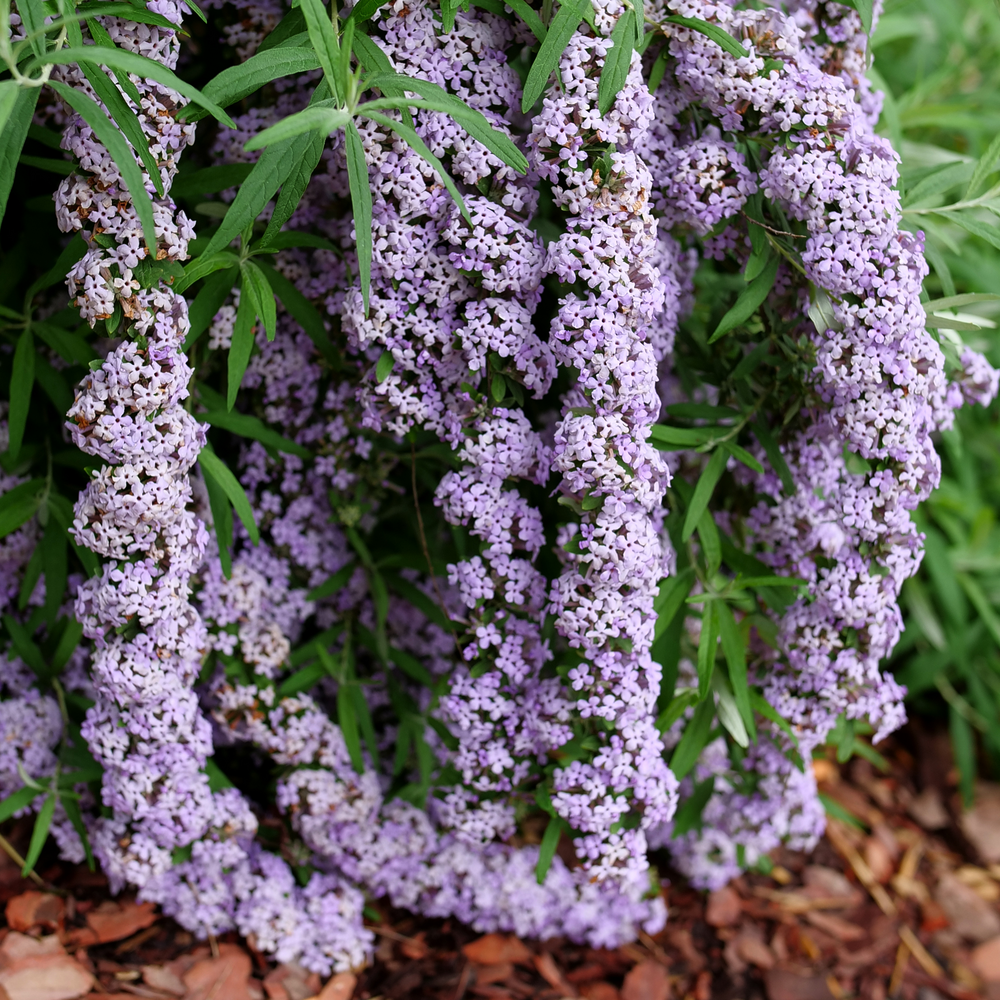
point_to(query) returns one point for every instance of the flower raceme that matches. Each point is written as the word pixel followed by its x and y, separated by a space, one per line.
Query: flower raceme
pixel 551 550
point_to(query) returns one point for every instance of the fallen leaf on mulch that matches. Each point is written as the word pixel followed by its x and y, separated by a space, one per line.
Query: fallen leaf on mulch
pixel 340 987
pixel 289 981
pixel 783 984
pixel 647 981
pixel 35 910
pixel 491 949
pixel 40 969
pixel 224 978
pixel 161 977
pixel 981 823
pixel 114 920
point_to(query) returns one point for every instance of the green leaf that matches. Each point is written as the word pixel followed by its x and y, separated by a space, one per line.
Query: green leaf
pixel 205 265
pixel 19 504
pixel 8 99
pixel 39 834
pixel 866 12
pixel 324 118
pixel 774 456
pixel 989 233
pixel 742 455
pixel 474 122
pixel 248 426
pixel 617 61
pixel 26 648
pixel 17 801
pixel 102 39
pixel 984 167
pixel 240 349
pixel 963 746
pixel 261 296
pixel 417 144
pixel 749 301
pixel 303 312
pixel 361 206
pixel 761 252
pixel 348 720
pixel 561 30
pixel 529 16
pixel 236 82
pixel 22 380
pixel 288 29
pixel 72 809
pixel 15 131
pixel 707 643
pixel 208 302
pixel 659 69
pixel 383 367
pixel 63 167
pixel 364 10
pixel 119 151
pixel 324 41
pixel 70 254
pixel 412 593
pixel 688 815
pixel 293 188
pixel 146 69
pixel 213 467
pixel 449 8
pixel 761 706
pixel 53 547
pixel 276 163
pixel 694 740
pixel 670 598
pixel 703 491
pixel 682 438
pixel 837 811
pixel 708 536
pixel 550 841
pixel 734 650
pixel 333 584
pixel 728 711
pixel 720 36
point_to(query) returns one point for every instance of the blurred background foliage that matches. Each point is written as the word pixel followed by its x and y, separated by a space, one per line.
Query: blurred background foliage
pixel 939 65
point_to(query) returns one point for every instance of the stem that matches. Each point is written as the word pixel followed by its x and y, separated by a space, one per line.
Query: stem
pixel 8 848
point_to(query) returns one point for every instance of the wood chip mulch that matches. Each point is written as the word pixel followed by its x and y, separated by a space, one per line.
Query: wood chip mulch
pixel 900 899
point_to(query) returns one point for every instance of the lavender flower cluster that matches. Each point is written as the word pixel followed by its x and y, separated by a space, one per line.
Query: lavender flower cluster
pixel 500 666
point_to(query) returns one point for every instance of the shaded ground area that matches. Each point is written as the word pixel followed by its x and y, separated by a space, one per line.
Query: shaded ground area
pixel 900 899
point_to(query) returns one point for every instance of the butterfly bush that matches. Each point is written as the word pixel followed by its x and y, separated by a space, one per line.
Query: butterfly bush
pixel 488 734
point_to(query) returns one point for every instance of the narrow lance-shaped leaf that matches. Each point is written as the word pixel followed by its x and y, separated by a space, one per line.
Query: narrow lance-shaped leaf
pixel 294 187
pixel 17 801
pixel 236 82
pixel 40 833
pixel 303 312
pixel 617 61
pixel 547 848
pixel 15 131
pixel 474 122
pixel 19 504
pixel 708 536
pixel 261 296
pixel 130 62
pixel 695 737
pixel 212 465
pixel 114 142
pixel 707 643
pixel 964 748
pixel 774 456
pixel 703 491
pixel 734 650
pixel 720 36
pixel 22 379
pixel 240 349
pixel 566 21
pixel 101 38
pixel 670 597
pixel 361 205
pixel 728 712
pixel 249 426
pixel 749 301
pixel 984 167
pixel 689 813
pixel 324 40
pixel 418 145
pixel 125 119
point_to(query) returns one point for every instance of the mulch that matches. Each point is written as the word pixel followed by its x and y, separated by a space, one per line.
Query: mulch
pixel 901 898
